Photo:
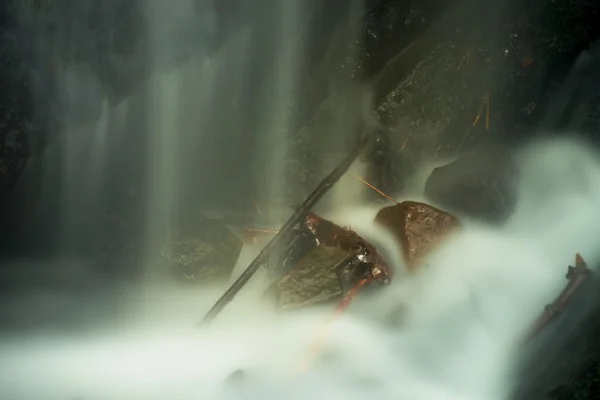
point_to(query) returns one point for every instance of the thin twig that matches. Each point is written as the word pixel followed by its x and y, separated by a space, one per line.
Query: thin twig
pixel 463 60
pixel 485 102
pixel 375 189
pixel 487 115
pixel 576 275
pixel 403 144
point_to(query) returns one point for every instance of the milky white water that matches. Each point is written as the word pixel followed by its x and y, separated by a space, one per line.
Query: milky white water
pixel 462 318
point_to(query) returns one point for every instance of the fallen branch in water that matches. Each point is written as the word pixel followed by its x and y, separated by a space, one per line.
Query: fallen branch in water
pixel 285 230
pixel 576 275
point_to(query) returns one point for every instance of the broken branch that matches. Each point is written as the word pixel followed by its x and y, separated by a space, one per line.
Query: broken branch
pixel 576 275
pixel 285 230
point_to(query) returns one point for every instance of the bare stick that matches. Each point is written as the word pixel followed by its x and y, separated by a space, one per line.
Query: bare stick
pixel 577 275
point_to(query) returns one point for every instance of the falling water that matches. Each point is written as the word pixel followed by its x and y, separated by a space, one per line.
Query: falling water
pixel 163 131
pixel 84 155
pixel 184 101
pixel 186 105
pixel 205 126
pixel 280 97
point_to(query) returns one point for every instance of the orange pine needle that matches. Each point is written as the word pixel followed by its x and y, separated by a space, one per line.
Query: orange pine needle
pixel 322 335
pixel 270 231
pixel 486 104
pixel 403 144
pixel 462 62
pixel 376 189
pixel 487 115
pixel 476 120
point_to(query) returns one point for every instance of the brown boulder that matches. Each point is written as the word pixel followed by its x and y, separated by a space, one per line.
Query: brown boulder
pixel 418 227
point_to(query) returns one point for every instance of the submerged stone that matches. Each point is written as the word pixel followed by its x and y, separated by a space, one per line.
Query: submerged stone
pixel 480 184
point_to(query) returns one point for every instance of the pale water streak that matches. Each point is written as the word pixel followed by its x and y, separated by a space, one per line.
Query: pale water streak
pixel 163 128
pixel 180 113
pixel 85 160
pixel 279 99
pixel 161 168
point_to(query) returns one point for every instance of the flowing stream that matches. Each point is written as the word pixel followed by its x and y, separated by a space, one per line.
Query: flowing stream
pixel 450 332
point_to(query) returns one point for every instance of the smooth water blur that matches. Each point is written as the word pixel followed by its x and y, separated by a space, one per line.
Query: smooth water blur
pixel 450 332
pixel 207 128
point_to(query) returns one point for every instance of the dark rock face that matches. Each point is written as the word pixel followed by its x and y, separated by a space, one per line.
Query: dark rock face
pixel 480 184
pixel 491 77
pixel 16 107
pixel 478 74
pixel 574 104
pixel 359 72
pixel 17 126
pixel 388 28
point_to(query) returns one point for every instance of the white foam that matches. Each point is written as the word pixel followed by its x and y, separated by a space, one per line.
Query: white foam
pixel 463 318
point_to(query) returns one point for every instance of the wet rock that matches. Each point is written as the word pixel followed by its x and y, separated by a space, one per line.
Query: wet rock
pixel 575 105
pixel 16 133
pixel 480 184
pixel 292 249
pixel 16 111
pixel 436 115
pixel 314 280
pixel 418 227
pixel 387 30
pixel 501 60
pixel 202 250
